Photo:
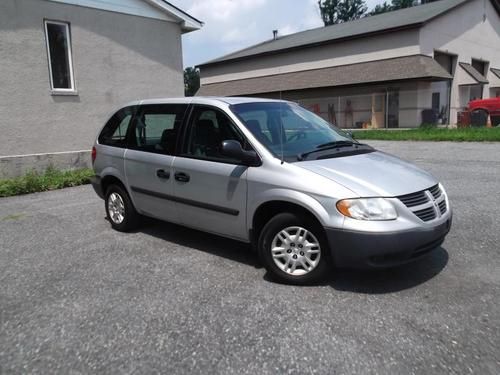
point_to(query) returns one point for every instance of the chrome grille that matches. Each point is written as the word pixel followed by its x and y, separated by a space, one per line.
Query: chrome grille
pixel 415 199
pixel 427 205
pixel 427 214
pixel 435 191
pixel 442 206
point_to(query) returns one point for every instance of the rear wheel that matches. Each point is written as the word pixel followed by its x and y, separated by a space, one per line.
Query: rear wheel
pixel 120 210
pixel 294 249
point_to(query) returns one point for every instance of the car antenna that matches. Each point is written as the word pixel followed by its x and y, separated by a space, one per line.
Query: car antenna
pixel 281 132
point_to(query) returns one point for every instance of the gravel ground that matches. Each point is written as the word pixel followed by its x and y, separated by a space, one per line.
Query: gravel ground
pixel 77 297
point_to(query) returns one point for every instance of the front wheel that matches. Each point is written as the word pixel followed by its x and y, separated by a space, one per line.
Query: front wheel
pixel 294 250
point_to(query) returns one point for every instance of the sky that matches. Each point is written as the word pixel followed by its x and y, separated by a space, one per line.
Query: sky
pixel 231 25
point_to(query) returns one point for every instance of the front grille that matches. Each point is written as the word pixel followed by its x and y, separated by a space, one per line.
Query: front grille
pixel 427 214
pixel 415 199
pixel 427 204
pixel 435 191
pixel 442 206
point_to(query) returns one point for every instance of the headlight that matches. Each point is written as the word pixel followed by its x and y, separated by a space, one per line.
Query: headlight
pixel 367 209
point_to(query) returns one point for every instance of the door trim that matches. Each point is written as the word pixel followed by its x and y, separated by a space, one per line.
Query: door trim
pixel 189 202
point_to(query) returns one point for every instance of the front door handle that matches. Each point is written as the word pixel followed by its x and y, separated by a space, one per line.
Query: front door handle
pixel 182 177
pixel 160 173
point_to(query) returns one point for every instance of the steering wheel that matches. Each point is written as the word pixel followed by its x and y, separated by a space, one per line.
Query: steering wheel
pixel 299 135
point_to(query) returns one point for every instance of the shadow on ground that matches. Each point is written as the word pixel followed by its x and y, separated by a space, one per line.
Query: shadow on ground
pixel 202 241
pixel 377 281
pixel 391 280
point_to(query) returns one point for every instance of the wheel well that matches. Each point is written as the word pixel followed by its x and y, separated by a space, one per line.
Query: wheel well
pixel 110 180
pixel 268 210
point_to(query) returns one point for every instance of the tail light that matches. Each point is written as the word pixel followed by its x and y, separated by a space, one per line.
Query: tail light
pixel 94 154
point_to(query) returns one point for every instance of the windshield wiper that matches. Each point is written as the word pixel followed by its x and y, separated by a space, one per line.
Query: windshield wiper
pixel 338 144
pixel 328 146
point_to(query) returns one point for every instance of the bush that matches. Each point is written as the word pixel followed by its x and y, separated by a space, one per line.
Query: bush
pixel 51 179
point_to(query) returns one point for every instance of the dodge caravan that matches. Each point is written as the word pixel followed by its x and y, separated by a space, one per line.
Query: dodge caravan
pixel 304 193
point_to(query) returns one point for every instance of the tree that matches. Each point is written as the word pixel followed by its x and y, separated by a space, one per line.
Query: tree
pixel 400 4
pixel 338 11
pixel 191 81
pixel 395 5
pixel 381 8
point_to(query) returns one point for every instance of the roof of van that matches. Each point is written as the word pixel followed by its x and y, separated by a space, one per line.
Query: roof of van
pixel 204 100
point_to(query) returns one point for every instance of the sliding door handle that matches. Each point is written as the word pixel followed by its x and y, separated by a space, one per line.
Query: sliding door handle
pixel 182 177
pixel 160 173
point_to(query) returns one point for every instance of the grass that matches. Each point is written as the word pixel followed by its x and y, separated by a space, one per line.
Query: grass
pixel 51 179
pixel 423 134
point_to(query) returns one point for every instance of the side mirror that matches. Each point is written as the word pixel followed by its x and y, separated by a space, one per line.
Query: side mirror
pixel 232 149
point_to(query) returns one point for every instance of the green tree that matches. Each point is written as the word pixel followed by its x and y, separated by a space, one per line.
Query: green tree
pixel 381 8
pixel 400 4
pixel 338 11
pixel 395 5
pixel 191 81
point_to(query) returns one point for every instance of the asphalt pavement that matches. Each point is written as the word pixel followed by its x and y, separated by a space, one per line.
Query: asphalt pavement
pixel 78 297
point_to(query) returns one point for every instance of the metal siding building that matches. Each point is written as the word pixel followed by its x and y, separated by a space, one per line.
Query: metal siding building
pixel 397 69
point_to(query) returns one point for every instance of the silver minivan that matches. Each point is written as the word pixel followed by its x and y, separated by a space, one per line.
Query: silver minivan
pixel 305 194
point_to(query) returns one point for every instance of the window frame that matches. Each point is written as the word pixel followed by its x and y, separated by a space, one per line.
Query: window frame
pixel 58 90
pixel 131 134
pixel 126 141
pixel 183 145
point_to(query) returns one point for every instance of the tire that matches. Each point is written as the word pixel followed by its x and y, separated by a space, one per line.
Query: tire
pixel 292 265
pixel 120 211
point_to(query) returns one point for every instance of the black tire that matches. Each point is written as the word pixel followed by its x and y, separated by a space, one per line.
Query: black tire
pixel 130 215
pixel 270 231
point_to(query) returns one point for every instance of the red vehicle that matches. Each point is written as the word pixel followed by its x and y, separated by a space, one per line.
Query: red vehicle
pixel 481 108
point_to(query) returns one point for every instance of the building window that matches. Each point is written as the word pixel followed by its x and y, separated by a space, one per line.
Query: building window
pixel 480 66
pixel 446 61
pixel 58 41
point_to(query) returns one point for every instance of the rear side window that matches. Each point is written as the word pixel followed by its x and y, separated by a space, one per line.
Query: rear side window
pixel 115 131
pixel 155 127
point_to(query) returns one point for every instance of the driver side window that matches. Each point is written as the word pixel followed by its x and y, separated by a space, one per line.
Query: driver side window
pixel 209 127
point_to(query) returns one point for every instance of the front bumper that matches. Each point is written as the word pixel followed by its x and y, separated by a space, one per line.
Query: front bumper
pixel 353 249
pixel 96 184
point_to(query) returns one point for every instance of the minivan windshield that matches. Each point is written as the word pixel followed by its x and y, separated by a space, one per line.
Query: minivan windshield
pixel 288 129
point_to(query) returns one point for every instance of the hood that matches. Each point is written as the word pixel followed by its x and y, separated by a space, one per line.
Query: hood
pixel 372 174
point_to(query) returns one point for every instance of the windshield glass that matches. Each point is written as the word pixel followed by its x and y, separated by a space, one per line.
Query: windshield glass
pixel 287 128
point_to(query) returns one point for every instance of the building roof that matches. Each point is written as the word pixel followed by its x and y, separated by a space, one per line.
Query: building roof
pixel 474 73
pixel 495 72
pixel 386 22
pixel 395 69
pixel 189 22
pixel 158 9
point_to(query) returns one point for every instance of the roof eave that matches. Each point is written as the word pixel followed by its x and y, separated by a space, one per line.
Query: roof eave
pixel 187 22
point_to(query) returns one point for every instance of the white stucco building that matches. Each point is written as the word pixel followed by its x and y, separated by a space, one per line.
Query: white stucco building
pixel 398 69
pixel 66 64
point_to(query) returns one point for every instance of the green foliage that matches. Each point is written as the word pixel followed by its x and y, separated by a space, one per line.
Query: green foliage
pixel 397 4
pixel 381 8
pixel 401 4
pixel 338 11
pixel 433 134
pixel 51 179
pixel 191 81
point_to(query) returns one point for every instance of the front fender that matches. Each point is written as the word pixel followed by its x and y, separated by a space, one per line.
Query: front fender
pixel 315 205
